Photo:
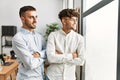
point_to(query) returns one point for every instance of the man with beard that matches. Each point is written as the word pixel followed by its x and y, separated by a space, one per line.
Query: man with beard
pixel 65 48
pixel 29 47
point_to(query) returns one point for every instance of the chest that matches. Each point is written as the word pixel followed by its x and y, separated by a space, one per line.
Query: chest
pixel 67 43
pixel 33 42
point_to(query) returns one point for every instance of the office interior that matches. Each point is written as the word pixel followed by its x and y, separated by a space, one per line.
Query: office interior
pixel 99 23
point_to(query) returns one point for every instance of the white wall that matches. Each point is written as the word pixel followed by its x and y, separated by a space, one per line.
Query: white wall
pixel 47 12
pixel 101 43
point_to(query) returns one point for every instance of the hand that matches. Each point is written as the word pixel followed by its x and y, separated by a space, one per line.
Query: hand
pixel 57 52
pixel 36 55
pixel 75 55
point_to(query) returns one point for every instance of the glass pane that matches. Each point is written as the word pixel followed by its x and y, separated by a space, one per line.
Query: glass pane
pixel 90 3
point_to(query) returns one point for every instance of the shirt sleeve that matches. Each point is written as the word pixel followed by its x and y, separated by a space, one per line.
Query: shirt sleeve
pixel 43 51
pixel 81 52
pixel 52 57
pixel 24 55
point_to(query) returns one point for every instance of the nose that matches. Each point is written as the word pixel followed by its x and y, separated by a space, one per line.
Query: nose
pixel 75 22
pixel 35 19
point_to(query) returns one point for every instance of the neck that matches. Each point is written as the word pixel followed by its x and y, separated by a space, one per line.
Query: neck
pixel 31 30
pixel 66 30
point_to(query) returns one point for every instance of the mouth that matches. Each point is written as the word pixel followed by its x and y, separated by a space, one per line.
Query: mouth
pixel 34 24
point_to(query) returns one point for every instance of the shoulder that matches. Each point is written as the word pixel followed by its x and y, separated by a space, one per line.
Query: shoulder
pixel 17 38
pixel 55 33
pixel 78 36
pixel 18 35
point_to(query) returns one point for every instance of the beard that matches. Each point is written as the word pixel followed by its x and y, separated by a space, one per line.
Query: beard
pixel 73 27
pixel 31 26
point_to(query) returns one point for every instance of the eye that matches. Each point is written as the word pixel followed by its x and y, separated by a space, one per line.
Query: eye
pixel 74 19
pixel 31 17
pixel 36 16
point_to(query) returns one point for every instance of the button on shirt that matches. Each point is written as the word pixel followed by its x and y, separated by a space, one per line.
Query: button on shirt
pixel 62 66
pixel 24 44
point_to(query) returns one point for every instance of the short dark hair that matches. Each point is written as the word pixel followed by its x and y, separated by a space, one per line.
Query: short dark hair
pixel 68 13
pixel 26 8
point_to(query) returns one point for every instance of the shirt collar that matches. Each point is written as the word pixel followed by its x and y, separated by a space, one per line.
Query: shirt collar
pixel 27 31
pixel 65 33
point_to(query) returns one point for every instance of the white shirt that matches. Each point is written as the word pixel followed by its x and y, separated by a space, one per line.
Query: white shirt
pixel 25 43
pixel 62 66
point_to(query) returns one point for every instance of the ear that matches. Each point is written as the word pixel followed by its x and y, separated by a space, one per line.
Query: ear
pixel 22 18
pixel 63 21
